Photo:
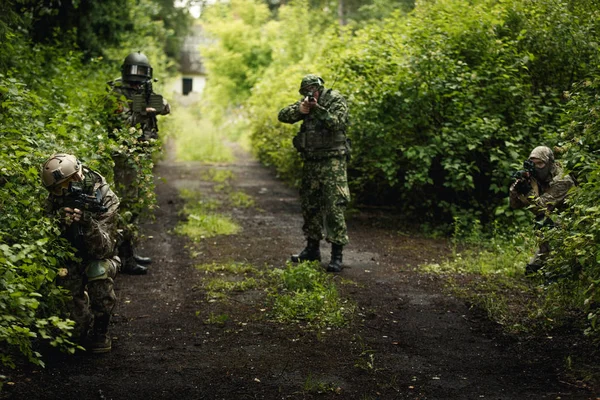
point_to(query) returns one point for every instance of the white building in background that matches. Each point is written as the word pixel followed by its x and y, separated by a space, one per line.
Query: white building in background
pixel 191 61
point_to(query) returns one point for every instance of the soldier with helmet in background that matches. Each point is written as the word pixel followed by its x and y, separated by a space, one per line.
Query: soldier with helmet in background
pixel 542 186
pixel 135 106
pixel 324 148
pixel 88 212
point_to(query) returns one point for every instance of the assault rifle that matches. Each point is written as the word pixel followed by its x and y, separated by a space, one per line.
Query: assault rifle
pixel 84 202
pixel 523 177
pixel 310 96
pixel 147 98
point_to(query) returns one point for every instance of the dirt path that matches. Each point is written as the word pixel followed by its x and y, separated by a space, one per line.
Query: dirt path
pixel 409 340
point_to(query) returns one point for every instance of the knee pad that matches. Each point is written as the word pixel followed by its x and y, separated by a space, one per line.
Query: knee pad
pixel 102 269
pixel 97 269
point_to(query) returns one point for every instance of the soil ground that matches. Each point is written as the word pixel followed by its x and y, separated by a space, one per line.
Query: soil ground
pixel 409 340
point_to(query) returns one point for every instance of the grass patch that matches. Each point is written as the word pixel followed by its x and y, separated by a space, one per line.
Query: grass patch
pixel 196 203
pixel 216 319
pixel 218 175
pixel 319 386
pixel 302 293
pixel 240 199
pixel 223 285
pixel 490 276
pixel 196 138
pixel 201 220
pixel 231 277
pixel 305 293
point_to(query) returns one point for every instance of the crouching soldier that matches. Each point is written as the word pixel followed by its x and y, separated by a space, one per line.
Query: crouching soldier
pixel 542 187
pixel 87 210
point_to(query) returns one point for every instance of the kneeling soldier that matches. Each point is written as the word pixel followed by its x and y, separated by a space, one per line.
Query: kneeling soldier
pixel 87 209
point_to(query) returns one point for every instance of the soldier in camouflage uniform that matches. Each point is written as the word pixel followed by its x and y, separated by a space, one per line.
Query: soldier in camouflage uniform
pixel 136 75
pixel 88 211
pixel 542 193
pixel 324 148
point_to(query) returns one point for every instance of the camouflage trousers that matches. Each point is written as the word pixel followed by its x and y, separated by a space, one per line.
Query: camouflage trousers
pixel 324 195
pixel 93 299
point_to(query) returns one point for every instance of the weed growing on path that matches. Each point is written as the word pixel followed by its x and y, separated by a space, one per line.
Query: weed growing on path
pixel 488 273
pixel 302 293
pixel 202 222
pixel 241 200
pixel 305 293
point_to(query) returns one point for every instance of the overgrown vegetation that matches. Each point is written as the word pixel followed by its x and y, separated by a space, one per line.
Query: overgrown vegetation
pixel 56 59
pixel 201 219
pixel 301 294
pixel 446 101
pixel 197 139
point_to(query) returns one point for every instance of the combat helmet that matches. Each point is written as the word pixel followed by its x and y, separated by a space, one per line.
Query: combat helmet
pixel 58 169
pixel 136 68
pixel 311 80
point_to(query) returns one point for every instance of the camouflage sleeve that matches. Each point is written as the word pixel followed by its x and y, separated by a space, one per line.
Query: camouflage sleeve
pixel 334 114
pixel 290 114
pixel 100 231
pixel 516 200
pixel 555 195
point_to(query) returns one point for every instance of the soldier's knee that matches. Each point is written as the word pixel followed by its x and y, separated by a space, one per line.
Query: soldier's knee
pixel 102 269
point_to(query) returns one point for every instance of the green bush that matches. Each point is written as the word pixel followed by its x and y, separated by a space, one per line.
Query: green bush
pixel 52 99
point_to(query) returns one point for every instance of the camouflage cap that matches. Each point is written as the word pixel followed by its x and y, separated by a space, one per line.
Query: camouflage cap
pixel 311 79
pixel 543 153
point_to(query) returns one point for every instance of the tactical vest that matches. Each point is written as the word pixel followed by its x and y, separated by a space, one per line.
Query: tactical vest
pixel 318 141
pixel 132 110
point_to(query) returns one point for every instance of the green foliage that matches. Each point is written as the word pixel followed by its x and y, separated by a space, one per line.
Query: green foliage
pixel 302 293
pixel 52 99
pixel 196 139
pixel 97 26
pixel 575 260
pixel 239 54
pixel 305 293
pixel 488 274
pixel 201 220
pixel 445 101
pixel 241 200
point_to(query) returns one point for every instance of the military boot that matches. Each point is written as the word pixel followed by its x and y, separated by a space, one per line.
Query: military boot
pixel 335 265
pixel 130 265
pixel 142 259
pixel 100 341
pixel 310 253
pixel 133 268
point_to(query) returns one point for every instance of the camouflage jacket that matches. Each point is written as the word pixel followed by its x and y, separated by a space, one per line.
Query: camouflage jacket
pixel 323 130
pixel 123 101
pixel 95 235
pixel 544 197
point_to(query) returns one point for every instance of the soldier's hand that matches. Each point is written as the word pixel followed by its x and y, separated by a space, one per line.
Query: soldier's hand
pixel 150 109
pixel 72 215
pixel 522 186
pixel 305 107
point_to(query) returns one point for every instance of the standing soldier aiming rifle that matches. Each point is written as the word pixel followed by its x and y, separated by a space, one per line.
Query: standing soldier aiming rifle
pixel 88 211
pixel 542 187
pixel 135 105
pixel 324 149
